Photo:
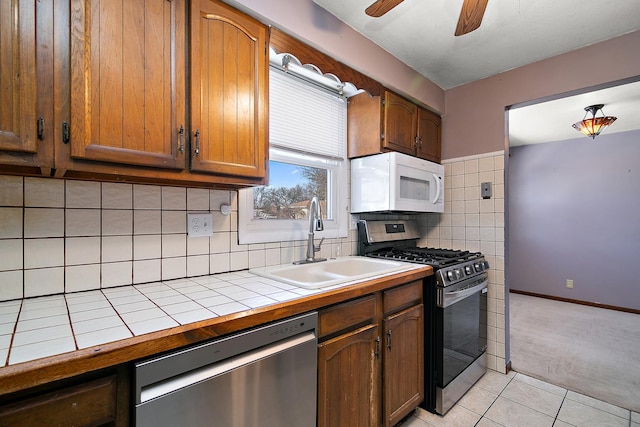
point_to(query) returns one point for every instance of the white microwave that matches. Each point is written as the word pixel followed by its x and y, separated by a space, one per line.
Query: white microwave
pixel 396 182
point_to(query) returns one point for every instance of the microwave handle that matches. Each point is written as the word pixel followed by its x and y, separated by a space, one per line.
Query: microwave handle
pixel 438 185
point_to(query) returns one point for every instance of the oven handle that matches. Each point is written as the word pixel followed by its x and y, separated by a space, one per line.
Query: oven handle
pixel 449 298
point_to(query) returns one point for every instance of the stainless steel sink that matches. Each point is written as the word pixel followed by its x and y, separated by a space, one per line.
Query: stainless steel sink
pixel 332 272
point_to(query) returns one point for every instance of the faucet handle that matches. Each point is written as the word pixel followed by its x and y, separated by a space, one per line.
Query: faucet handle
pixel 316 248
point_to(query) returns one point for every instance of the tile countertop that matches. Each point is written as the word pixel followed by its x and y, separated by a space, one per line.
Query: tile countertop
pixel 40 327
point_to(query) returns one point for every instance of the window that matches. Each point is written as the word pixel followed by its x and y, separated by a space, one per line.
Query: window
pixel 307 158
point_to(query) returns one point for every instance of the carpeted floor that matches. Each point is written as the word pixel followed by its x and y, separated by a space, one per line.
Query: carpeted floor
pixel 589 350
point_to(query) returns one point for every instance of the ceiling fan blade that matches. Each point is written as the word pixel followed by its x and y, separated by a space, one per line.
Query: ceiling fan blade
pixel 470 16
pixel 380 7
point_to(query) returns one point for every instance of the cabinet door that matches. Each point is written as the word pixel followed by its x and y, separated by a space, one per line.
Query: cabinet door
pixel 348 376
pixel 429 130
pixel 403 363
pixel 128 89
pixel 229 77
pixel 25 66
pixel 399 124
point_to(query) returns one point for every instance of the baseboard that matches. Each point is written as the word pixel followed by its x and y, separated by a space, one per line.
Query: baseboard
pixel 575 301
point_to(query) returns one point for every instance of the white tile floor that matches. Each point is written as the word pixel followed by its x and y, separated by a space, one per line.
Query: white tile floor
pixel 516 400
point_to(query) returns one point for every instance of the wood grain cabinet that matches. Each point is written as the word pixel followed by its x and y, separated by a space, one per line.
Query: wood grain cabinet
pixel 96 401
pixel 370 357
pixel 160 91
pixel 26 77
pixel 140 68
pixel 391 123
pixel 128 63
pixel 229 77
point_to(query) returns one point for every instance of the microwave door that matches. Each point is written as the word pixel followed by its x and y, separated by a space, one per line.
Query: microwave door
pixel 413 190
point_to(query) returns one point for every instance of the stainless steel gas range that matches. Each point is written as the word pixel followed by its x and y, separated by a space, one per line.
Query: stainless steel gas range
pixel 456 307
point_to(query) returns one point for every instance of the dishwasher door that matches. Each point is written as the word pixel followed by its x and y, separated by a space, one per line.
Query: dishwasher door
pixel 262 377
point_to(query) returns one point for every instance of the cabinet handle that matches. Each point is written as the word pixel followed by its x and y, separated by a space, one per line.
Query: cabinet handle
pixel 421 143
pixel 181 139
pixel 376 352
pixel 197 138
pixel 389 339
pixel 66 132
pixel 40 128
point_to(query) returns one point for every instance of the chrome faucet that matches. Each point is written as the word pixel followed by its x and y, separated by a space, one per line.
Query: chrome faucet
pixel 315 224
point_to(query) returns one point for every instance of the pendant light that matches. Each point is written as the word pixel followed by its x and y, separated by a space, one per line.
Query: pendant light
pixel 594 125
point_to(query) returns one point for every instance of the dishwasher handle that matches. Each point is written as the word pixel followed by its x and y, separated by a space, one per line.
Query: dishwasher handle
pixel 170 385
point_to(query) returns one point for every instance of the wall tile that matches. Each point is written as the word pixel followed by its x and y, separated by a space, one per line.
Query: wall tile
pixel 117 248
pixel 174 198
pixel 197 265
pixel 11 285
pixel 238 260
pixel 219 263
pixel 174 222
pixel 82 277
pixel 220 243
pixel 116 274
pixel 82 250
pixel 43 281
pixel 147 222
pixel 147 197
pixel 174 268
pixel 257 259
pixel 197 245
pixel 197 199
pixel 147 270
pixel 43 192
pixel 117 222
pixel 174 245
pixel 11 190
pixel 217 198
pixel 83 194
pixel 40 253
pixel 42 222
pixel 11 254
pixel 83 222
pixel 11 223
pixel 117 195
pixel 147 247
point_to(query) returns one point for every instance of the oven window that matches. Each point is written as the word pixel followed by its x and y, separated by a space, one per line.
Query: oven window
pixel 464 339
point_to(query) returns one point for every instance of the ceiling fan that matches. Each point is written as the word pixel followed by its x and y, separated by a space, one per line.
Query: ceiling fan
pixel 469 20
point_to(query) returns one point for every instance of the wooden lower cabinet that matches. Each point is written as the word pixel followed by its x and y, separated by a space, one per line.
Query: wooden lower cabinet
pixel 371 358
pixel 98 401
pixel 347 390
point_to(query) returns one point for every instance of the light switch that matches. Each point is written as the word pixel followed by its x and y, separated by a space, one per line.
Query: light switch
pixel 485 190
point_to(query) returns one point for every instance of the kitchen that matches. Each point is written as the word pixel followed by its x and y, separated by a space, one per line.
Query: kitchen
pixel 465 163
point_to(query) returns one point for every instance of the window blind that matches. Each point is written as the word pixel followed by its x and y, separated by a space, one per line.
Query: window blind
pixel 305 118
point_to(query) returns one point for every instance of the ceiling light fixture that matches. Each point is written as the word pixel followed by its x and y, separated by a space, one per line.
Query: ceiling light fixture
pixel 594 125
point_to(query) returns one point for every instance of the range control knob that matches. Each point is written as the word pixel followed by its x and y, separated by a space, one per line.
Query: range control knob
pixel 451 275
pixel 478 267
pixel 459 273
pixel 468 269
pixel 485 265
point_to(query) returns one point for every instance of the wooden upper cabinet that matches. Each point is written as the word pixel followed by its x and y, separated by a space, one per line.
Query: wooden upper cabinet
pixel 429 134
pixel 25 67
pixel 391 123
pixel 400 118
pixel 229 93
pixel 128 62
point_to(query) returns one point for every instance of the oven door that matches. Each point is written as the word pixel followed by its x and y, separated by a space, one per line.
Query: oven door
pixel 461 339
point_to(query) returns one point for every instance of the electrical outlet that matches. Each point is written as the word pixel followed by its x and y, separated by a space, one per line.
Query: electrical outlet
pixel 570 283
pixel 199 225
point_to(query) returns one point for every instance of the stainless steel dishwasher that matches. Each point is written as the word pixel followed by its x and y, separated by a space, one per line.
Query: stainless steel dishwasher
pixel 261 377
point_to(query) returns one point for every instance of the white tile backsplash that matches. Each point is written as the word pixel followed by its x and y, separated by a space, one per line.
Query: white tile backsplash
pixel 43 222
pixel 82 194
pixel 11 223
pixel 43 193
pixel 475 224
